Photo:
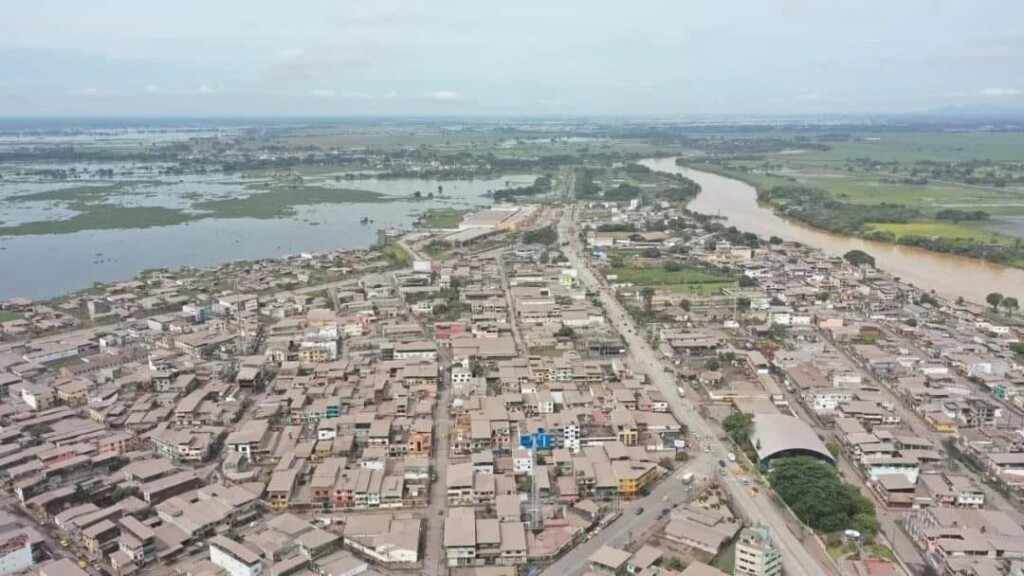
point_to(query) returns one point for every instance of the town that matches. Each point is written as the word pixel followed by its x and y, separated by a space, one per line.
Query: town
pixel 589 386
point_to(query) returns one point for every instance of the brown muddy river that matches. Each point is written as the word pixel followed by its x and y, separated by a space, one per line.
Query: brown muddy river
pixel 947 274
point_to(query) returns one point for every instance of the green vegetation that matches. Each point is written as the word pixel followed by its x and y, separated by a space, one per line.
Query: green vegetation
pixel 395 253
pixel 994 299
pixel 541 185
pixel 102 217
pixel 441 218
pixel 75 194
pixel 739 426
pixel 859 258
pixel 546 235
pixel 817 208
pixel 7 316
pixel 682 280
pixel 819 498
pixel 280 202
pixel 726 559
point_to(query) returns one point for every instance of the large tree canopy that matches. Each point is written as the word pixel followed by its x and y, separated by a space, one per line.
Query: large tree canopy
pixel 815 493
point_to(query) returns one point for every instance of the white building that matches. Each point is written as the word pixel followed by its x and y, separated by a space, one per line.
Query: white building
pixel 15 554
pixel 522 461
pixel 236 559
pixel 825 400
pixel 755 554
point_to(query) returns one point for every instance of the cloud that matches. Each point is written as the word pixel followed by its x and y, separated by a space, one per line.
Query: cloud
pixel 998 92
pixel 322 93
pixel 152 89
pixel 445 96
pixel 811 97
pixel 987 93
pixel 288 53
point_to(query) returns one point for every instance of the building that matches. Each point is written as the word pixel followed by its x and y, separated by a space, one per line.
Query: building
pixel 15 554
pixel 778 435
pixel 236 559
pixel 755 554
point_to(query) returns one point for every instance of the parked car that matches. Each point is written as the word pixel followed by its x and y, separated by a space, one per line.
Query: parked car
pixel 639 510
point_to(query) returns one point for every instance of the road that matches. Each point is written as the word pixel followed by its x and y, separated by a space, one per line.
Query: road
pixel 898 540
pixel 632 525
pixel 796 559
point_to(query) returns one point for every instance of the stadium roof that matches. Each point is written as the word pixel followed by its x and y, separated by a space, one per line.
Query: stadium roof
pixel 777 435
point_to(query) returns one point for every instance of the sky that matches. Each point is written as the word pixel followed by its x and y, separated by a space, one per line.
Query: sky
pixel 527 57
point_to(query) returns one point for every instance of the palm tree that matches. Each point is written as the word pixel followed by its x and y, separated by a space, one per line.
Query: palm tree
pixel 647 295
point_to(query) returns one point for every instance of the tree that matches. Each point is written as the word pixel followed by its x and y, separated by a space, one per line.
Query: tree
pixel 738 426
pixel 685 304
pixel 994 299
pixel 859 258
pixel 673 266
pixel 712 364
pixel 747 281
pixel 417 194
pixel 775 240
pixel 675 564
pixel 1010 305
pixel 743 303
pixel 815 493
pixel 667 463
pixel 647 296
pixel 565 332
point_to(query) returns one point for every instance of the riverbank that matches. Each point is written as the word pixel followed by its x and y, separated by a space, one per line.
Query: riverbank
pixel 885 222
pixel 949 275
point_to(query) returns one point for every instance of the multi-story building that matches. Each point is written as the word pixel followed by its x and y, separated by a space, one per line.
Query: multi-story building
pixel 234 558
pixel 755 554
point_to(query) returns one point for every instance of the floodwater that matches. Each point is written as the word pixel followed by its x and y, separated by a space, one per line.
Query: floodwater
pixel 43 266
pixel 947 274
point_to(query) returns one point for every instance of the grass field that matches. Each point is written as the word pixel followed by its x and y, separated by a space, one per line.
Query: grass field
pixel 395 253
pixel 688 280
pixel 441 218
pixel 910 146
pixel 7 316
pixel 943 230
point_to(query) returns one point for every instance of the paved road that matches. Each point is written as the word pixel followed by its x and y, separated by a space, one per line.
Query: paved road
pixel 796 560
pixel 632 525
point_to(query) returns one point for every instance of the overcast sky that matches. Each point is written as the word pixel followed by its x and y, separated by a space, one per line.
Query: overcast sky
pixel 356 57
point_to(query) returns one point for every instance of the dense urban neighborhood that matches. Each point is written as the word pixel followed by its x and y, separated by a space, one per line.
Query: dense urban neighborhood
pixel 603 384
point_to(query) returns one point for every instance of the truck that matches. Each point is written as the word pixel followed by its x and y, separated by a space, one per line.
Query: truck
pixel 731 456
pixel 688 478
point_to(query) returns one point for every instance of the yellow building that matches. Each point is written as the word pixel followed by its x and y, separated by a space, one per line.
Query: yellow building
pixel 633 477
pixel 941 423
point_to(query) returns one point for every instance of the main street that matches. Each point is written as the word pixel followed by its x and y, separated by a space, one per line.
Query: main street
pixel 796 559
pixel 630 525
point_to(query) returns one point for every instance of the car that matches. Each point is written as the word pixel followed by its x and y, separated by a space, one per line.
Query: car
pixel 639 510
pixel 721 463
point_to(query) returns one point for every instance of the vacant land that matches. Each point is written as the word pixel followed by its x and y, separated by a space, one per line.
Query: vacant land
pixel 441 218
pixel 694 280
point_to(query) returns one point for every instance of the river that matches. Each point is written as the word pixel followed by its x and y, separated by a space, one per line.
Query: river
pixel 948 274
